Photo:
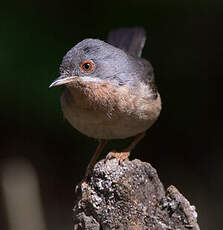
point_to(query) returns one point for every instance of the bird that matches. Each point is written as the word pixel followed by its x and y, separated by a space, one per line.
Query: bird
pixel 109 90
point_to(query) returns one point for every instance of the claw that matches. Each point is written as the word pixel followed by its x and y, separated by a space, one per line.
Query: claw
pixel 121 156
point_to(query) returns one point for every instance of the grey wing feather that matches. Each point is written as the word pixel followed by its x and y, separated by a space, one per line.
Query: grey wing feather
pixel 131 40
pixel 148 78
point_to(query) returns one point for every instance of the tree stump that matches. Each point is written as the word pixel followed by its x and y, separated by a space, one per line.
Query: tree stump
pixel 129 195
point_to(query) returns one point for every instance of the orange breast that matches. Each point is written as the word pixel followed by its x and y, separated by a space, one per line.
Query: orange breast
pixel 103 110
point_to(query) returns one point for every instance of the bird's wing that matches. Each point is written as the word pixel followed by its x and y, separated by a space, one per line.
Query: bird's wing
pixel 131 40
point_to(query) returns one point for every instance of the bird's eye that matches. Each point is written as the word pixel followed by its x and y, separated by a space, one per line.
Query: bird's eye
pixel 87 66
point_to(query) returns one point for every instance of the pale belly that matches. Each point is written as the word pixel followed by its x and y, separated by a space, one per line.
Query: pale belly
pixel 113 117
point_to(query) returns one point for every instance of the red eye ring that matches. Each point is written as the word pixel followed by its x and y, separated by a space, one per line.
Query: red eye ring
pixel 87 66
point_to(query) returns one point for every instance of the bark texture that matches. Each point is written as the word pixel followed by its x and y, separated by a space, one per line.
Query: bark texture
pixel 129 195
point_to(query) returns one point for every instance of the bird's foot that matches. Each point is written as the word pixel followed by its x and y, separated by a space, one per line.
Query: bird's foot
pixel 87 175
pixel 79 185
pixel 121 156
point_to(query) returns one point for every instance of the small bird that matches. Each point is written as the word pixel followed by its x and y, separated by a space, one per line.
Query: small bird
pixel 109 91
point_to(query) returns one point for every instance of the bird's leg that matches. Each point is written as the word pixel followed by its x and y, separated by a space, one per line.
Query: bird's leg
pixel 137 139
pixel 126 152
pixel 93 160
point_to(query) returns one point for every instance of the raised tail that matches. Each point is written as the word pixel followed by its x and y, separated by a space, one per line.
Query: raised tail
pixel 131 40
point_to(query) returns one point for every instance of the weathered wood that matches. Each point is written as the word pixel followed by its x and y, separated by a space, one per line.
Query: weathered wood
pixel 129 195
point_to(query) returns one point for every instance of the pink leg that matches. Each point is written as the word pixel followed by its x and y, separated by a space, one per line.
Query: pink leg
pixel 126 152
pixel 93 160
pixel 137 139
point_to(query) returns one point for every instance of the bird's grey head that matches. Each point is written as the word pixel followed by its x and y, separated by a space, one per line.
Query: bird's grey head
pixel 95 60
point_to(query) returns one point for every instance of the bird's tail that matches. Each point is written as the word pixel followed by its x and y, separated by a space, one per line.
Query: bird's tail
pixel 131 40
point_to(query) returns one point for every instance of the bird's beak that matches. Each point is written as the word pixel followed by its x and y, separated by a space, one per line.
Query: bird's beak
pixel 62 80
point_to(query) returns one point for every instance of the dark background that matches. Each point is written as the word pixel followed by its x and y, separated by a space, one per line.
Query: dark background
pixel 185 47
